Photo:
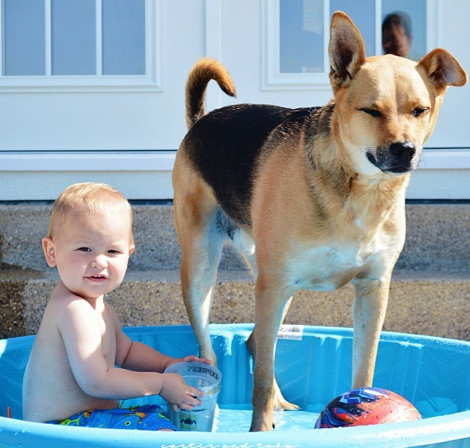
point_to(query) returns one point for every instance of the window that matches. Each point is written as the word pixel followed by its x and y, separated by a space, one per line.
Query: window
pixel 86 43
pixel 23 38
pixel 297 35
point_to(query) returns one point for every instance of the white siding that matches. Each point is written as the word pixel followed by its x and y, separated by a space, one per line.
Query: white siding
pixel 122 123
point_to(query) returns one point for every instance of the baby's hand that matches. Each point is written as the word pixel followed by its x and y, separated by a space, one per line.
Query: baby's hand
pixel 179 394
pixel 193 358
pixel 189 358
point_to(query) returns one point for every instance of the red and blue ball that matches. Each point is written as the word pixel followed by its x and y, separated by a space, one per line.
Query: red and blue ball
pixel 367 406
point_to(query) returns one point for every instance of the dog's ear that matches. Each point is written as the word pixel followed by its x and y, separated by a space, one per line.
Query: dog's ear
pixel 346 50
pixel 443 69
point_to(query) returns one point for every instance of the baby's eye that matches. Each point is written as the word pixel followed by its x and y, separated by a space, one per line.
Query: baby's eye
pixel 114 251
pixel 84 249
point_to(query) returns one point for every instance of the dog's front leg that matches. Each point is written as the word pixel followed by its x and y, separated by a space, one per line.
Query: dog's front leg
pixel 268 317
pixel 280 403
pixel 369 308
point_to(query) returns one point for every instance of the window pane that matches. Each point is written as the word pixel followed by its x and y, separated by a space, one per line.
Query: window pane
pixel 73 37
pixel 301 36
pixel 362 13
pixel 416 11
pixel 123 37
pixel 24 37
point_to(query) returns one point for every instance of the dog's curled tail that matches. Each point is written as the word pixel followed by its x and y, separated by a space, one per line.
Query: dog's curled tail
pixel 202 72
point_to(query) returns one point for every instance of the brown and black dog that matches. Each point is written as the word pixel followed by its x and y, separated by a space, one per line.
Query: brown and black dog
pixel 318 192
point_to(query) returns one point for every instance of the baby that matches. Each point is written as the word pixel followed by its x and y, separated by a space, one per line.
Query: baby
pixel 81 362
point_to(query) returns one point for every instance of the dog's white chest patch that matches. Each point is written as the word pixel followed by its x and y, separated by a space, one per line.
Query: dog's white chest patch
pixel 324 268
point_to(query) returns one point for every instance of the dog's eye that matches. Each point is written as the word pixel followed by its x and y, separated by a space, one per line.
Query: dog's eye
pixel 417 111
pixel 372 112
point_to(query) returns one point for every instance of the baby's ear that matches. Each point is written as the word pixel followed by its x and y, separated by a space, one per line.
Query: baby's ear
pixel 49 251
pixel 131 249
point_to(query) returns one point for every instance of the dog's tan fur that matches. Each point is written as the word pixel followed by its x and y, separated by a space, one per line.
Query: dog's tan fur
pixel 324 204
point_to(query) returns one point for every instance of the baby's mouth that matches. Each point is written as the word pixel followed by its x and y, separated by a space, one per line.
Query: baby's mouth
pixel 97 277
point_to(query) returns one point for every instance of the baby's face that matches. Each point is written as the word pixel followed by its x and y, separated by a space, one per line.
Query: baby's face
pixel 92 251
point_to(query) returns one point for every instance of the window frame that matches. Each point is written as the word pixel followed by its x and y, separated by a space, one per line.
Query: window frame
pixel 151 81
pixel 273 79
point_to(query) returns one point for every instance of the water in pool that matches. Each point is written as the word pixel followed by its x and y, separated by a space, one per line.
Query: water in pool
pixel 237 417
pixel 231 419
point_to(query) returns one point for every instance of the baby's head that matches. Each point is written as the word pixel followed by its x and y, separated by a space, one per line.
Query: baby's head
pixel 90 238
pixel 88 198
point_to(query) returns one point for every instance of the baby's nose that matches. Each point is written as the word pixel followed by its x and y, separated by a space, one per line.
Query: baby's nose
pixel 99 262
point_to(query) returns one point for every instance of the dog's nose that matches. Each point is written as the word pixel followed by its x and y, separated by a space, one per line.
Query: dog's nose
pixel 405 150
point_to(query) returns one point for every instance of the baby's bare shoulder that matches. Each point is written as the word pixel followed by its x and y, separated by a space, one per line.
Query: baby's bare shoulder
pixel 64 307
pixel 62 298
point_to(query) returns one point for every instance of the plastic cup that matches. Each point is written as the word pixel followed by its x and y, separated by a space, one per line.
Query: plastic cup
pixel 205 378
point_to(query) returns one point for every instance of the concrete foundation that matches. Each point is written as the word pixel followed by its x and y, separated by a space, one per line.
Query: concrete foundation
pixel 430 292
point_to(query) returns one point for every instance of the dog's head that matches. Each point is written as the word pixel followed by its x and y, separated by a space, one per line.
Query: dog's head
pixel 386 106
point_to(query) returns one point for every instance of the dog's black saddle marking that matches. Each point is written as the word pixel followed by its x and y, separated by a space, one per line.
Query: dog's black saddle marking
pixel 224 147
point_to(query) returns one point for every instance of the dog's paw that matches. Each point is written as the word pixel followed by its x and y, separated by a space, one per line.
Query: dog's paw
pixel 280 403
pixel 284 405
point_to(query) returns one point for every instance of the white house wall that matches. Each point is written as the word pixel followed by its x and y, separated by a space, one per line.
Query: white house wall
pixel 53 137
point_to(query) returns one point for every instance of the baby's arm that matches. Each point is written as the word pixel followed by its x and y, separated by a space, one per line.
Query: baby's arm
pixel 140 357
pixel 134 355
pixel 81 331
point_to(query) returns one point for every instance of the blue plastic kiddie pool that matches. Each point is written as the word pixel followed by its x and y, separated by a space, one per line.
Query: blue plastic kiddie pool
pixel 313 366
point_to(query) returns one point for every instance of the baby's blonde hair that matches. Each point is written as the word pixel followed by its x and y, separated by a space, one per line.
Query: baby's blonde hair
pixel 89 197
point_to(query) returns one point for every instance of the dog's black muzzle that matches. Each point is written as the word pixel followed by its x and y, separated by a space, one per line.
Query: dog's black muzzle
pixel 399 157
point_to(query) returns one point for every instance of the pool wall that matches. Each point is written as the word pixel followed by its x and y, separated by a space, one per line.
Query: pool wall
pixel 313 365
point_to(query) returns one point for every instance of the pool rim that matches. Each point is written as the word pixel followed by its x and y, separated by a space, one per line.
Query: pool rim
pixel 432 430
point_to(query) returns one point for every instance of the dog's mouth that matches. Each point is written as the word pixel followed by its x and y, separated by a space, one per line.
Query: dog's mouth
pixel 386 167
pixel 398 158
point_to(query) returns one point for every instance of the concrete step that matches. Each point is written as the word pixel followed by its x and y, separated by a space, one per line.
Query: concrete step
pixel 437 303
pixel 430 292
pixel 438 237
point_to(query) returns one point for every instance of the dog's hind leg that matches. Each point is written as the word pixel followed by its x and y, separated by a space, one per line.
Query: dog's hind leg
pixel 201 243
pixel 200 259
